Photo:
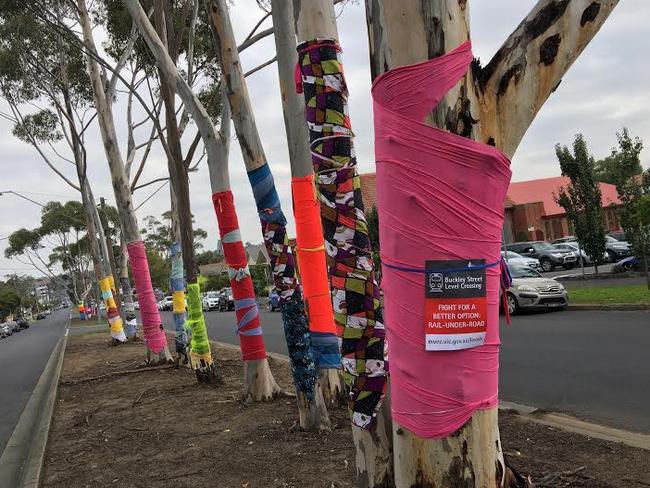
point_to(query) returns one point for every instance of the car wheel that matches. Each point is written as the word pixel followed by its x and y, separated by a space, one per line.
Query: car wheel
pixel 513 305
pixel 568 266
pixel 546 265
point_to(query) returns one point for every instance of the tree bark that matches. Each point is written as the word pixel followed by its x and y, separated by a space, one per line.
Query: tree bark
pixel 268 205
pixel 108 248
pixel 495 105
pixel 216 147
pixel 316 20
pixel 312 409
pixel 202 363
pixel 154 334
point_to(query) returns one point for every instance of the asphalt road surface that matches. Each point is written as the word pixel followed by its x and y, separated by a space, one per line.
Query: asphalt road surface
pixel 594 365
pixel 23 357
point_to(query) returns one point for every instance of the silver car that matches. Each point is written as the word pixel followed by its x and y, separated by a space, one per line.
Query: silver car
pixel 530 290
pixel 512 257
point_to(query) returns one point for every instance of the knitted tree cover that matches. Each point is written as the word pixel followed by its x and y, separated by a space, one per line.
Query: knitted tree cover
pixel 357 307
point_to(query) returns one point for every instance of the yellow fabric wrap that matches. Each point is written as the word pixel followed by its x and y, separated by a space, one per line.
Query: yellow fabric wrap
pixel 178 299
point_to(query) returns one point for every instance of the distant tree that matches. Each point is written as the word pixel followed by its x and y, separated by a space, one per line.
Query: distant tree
pixel 158 236
pixel 9 301
pixel 630 187
pixel 582 198
pixel 619 164
pixel 159 268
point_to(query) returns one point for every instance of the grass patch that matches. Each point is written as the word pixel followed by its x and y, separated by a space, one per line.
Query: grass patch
pixel 636 294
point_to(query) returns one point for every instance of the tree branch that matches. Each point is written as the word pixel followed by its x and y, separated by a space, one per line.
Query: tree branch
pixel 261 66
pixel 531 63
pixel 252 40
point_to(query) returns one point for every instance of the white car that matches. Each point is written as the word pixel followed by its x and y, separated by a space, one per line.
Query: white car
pixel 513 258
pixel 211 300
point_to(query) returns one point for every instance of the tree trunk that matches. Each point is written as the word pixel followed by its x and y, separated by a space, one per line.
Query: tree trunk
pixel 200 346
pixel 310 251
pixel 495 105
pixel 354 286
pixel 100 264
pixel 158 352
pixel 177 281
pixel 108 246
pixel 216 146
pixel 130 319
pixel 268 204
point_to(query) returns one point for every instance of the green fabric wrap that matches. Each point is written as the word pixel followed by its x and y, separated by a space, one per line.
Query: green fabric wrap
pixel 196 320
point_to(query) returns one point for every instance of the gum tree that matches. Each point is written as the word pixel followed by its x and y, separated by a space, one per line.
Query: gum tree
pixel 494 104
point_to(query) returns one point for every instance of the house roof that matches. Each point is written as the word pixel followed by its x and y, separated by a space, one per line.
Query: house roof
pixel 544 190
pixel 368 190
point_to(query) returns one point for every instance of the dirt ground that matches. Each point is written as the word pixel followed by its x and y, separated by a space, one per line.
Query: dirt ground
pixel 159 428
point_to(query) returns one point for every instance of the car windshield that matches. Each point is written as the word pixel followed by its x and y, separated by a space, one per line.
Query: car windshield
pixel 611 240
pixel 212 294
pixel 523 272
pixel 511 255
pixel 562 247
pixel 542 246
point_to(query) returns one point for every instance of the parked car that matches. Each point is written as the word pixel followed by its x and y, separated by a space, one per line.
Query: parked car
pixel 616 250
pixel 22 322
pixel 274 300
pixel 549 257
pixel 630 263
pixel 530 290
pixel 512 257
pixel 211 300
pixel 167 303
pixel 580 254
pixel 136 305
pixel 562 240
pixel 40 316
pixel 619 236
pixel 5 330
pixel 226 300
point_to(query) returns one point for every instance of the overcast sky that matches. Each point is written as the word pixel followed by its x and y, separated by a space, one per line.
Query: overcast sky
pixel 606 89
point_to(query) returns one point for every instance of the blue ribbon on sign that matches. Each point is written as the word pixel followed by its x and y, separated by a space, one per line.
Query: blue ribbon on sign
pixel 450 270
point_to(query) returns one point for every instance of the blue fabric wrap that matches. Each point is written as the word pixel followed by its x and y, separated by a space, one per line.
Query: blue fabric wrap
pixel 177 283
pixel 326 350
pixel 266 196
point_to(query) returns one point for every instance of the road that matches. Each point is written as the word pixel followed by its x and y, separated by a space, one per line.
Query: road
pixel 577 271
pixel 593 365
pixel 23 357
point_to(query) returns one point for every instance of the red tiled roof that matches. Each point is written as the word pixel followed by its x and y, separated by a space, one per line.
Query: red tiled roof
pixel 544 189
pixel 368 190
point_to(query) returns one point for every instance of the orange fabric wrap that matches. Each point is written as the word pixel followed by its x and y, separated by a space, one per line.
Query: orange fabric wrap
pixel 311 255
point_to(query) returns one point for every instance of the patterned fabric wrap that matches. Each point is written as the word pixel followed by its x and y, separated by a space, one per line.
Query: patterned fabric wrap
pixel 82 312
pixel 154 335
pixel 177 285
pixel 282 260
pixel 249 329
pixel 114 319
pixel 130 321
pixel 200 345
pixel 301 353
pixel 357 307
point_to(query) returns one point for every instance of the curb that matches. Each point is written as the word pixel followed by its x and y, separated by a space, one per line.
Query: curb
pixel 572 424
pixel 613 307
pixel 22 459
pixel 534 414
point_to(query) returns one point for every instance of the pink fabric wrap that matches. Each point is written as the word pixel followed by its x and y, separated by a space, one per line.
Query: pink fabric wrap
pixel 440 197
pixel 154 335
